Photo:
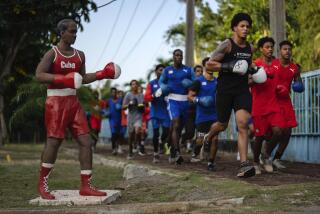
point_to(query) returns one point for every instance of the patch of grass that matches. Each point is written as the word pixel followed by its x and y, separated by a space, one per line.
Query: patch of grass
pixel 19 178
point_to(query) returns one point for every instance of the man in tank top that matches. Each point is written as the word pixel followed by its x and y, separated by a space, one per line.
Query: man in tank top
pixel 232 59
pixel 63 69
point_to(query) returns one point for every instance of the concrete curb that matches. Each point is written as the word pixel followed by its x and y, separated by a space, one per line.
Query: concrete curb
pixel 143 208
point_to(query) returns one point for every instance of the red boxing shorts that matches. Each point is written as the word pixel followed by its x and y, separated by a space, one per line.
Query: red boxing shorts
pixel 263 124
pixel 289 116
pixel 62 112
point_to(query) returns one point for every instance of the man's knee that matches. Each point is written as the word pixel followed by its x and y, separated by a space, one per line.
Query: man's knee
pixel 175 124
pixel 84 140
pixel 219 127
pixel 276 131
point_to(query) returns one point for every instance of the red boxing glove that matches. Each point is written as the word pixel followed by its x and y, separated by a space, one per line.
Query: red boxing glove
pixel 282 91
pixel 110 71
pixel 71 80
pixel 270 73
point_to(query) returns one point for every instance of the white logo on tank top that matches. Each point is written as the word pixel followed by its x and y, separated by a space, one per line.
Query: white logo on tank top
pixel 68 65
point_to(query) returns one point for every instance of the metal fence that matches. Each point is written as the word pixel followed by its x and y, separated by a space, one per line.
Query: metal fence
pixel 304 143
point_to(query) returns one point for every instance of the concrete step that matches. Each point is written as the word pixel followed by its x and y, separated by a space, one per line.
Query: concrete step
pixel 72 197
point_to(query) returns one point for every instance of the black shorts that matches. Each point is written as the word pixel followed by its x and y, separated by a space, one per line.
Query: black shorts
pixel 225 102
pixel 205 126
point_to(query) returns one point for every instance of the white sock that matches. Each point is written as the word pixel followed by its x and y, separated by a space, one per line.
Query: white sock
pixel 47 165
pixel 86 172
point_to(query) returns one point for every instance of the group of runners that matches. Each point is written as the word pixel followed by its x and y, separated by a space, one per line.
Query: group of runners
pixel 180 98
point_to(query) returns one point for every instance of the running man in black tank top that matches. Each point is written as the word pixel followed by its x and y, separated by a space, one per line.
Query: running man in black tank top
pixel 232 59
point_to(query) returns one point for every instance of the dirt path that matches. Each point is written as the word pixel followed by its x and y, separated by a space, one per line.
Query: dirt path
pixel 227 167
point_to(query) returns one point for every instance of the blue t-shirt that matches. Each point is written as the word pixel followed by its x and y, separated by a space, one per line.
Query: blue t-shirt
pixel 173 77
pixel 204 88
pixel 115 113
pixel 158 105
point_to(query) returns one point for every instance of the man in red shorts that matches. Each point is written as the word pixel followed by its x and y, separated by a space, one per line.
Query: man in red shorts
pixel 63 69
pixel 266 116
pixel 96 107
pixel 288 74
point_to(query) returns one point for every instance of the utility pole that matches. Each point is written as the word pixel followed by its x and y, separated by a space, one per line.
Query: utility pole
pixel 277 22
pixel 189 45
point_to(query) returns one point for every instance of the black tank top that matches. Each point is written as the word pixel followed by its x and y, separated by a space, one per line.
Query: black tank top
pixel 229 82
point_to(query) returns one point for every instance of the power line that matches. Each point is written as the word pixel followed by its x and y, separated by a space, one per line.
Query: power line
pixel 161 44
pixel 105 4
pixel 143 33
pixel 45 6
pixel 127 29
pixel 110 35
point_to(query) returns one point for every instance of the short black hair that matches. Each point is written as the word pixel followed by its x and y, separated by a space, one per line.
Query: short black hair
pixel 240 17
pixel 197 66
pixel 176 50
pixel 113 88
pixel 159 66
pixel 264 40
pixel 285 42
pixel 63 25
pixel 204 61
pixel 134 81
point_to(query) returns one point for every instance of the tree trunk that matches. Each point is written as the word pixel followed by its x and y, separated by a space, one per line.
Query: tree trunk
pixel 6 69
pixel 3 127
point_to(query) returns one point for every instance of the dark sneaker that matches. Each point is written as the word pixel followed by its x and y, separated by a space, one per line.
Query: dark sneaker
pixel 246 170
pixel 179 160
pixel 156 158
pixel 211 167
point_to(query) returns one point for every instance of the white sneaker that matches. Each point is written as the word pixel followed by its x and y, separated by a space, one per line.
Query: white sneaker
pixel 278 164
pixel 195 160
pixel 156 158
pixel 268 165
pixel 258 169
pixel 119 150
pixel 141 153
pixel 189 147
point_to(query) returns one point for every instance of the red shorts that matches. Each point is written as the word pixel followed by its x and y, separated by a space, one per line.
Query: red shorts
pixel 289 116
pixel 95 123
pixel 62 112
pixel 263 124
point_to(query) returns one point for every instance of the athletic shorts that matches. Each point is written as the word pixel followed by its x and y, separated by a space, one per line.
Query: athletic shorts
pixel 62 112
pixel 263 124
pixel 289 116
pixel 204 127
pixel 134 125
pixel 178 109
pixel 116 129
pixel 123 130
pixel 225 102
pixel 95 123
pixel 157 122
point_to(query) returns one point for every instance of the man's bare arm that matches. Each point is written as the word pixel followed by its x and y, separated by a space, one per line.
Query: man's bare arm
pixel 87 78
pixel 43 74
pixel 213 63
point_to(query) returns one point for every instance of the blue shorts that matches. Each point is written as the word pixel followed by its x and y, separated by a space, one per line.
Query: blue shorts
pixel 157 122
pixel 178 109
pixel 123 130
pixel 115 129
